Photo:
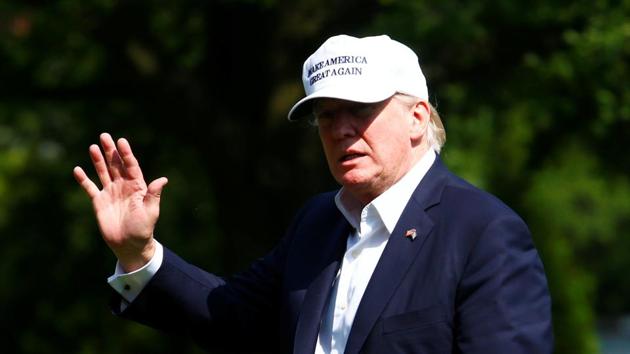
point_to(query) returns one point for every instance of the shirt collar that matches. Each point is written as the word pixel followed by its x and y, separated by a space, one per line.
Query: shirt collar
pixel 391 203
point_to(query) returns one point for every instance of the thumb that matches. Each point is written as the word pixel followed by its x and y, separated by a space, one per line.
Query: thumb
pixel 154 190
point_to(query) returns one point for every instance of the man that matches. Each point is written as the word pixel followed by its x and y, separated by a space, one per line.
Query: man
pixel 404 258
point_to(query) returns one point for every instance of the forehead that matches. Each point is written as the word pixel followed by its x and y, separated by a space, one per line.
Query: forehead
pixel 324 102
pixel 336 103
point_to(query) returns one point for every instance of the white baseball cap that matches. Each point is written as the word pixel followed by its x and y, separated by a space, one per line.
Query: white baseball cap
pixel 367 70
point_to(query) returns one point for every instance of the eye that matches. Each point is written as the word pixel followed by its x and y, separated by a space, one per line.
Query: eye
pixel 363 110
pixel 324 114
pixel 323 117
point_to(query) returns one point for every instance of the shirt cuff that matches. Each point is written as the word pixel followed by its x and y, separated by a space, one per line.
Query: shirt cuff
pixel 129 285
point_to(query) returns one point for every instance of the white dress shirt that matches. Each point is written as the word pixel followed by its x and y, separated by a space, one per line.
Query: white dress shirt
pixel 373 224
pixel 129 285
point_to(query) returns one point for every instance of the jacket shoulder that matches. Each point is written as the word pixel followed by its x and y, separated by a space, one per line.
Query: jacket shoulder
pixel 318 208
pixel 464 201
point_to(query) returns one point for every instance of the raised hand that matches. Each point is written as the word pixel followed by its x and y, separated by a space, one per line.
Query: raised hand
pixel 126 208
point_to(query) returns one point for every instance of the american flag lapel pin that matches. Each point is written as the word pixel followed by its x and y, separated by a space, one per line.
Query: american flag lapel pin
pixel 411 233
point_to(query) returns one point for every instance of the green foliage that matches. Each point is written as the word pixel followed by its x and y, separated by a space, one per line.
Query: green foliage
pixel 535 100
pixel 534 97
pixel 579 215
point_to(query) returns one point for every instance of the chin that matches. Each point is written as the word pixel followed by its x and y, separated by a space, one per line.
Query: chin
pixel 355 182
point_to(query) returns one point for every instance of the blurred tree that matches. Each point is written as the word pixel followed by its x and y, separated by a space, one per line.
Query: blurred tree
pixel 534 97
pixel 537 111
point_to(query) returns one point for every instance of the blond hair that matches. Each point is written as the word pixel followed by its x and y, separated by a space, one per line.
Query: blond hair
pixel 436 134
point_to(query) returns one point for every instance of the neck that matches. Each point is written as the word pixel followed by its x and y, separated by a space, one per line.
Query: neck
pixel 366 194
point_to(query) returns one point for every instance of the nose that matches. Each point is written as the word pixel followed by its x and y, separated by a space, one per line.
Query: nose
pixel 343 125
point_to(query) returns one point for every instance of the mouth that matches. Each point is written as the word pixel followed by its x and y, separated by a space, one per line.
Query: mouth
pixel 350 157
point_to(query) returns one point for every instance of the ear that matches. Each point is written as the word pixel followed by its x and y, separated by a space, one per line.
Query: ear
pixel 419 115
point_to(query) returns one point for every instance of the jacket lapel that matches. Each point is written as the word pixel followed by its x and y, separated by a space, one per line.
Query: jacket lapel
pixel 318 291
pixel 397 257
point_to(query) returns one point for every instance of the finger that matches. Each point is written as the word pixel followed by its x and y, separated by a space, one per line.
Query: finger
pixel 111 156
pixel 100 165
pixel 132 167
pixel 154 191
pixel 155 188
pixel 88 186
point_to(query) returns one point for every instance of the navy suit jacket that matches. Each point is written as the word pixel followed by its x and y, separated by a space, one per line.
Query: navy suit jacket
pixel 470 282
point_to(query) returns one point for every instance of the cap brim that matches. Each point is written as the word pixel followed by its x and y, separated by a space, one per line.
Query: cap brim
pixel 304 107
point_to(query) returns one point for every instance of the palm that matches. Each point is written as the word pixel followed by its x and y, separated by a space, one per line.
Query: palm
pixel 121 213
pixel 126 208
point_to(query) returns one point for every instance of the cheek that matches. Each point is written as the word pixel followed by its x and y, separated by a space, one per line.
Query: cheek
pixel 390 152
pixel 385 147
pixel 328 149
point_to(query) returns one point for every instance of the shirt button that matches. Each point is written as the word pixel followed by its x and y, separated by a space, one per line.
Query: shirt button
pixel 127 287
pixel 342 307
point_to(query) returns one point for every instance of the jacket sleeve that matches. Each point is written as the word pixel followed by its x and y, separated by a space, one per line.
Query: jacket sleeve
pixel 237 313
pixel 503 303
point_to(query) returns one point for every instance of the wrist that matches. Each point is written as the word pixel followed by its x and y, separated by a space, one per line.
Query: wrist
pixel 132 261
